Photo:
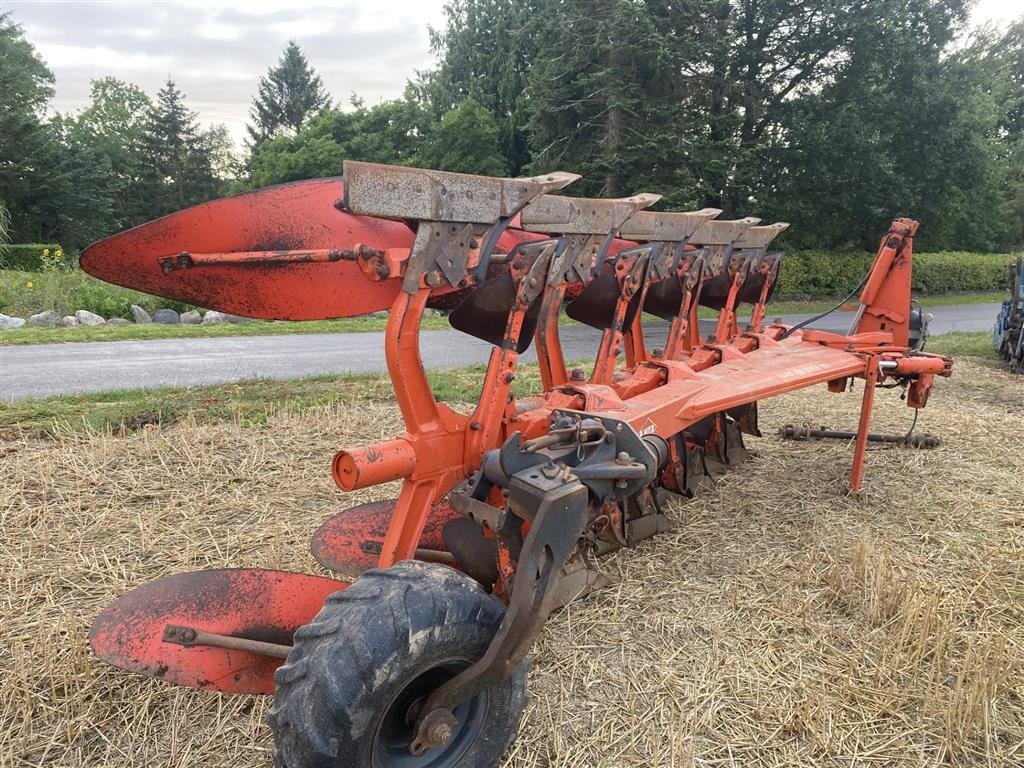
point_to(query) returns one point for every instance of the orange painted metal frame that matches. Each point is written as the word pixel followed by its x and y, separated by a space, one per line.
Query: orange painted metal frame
pixel 663 396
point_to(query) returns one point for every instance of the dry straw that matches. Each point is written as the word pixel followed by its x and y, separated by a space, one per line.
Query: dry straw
pixel 781 623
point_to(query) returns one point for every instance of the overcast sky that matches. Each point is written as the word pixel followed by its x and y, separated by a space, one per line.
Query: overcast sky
pixel 216 50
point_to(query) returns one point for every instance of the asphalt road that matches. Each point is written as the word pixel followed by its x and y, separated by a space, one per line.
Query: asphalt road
pixel 38 370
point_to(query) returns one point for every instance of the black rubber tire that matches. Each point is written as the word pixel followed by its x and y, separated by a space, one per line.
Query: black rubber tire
pixel 368 643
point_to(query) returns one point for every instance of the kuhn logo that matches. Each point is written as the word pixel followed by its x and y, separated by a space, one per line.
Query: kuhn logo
pixel 649 428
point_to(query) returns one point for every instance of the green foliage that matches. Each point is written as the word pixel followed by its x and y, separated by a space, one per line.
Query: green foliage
pixel 832 275
pixel 182 162
pixel 608 105
pixel 287 96
pixel 32 257
pixel 5 225
pixel 68 289
pixel 466 140
pixel 485 52
pixel 27 146
pixel 391 132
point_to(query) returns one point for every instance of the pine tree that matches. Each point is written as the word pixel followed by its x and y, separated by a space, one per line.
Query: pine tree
pixel 287 97
pixel 183 161
pixel 485 52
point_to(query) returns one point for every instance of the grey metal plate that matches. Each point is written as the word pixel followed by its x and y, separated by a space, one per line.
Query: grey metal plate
pixel 720 232
pixel 665 227
pixel 397 192
pixel 760 237
pixel 554 214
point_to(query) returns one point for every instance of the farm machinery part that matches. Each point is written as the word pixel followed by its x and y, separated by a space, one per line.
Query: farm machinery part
pixel 418 657
pixel 807 432
pixel 1008 333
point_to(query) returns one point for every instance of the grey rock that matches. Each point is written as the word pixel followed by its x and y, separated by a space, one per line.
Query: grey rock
pixel 237 319
pixel 166 317
pixel 69 321
pixel 192 317
pixel 140 315
pixel 213 316
pixel 118 321
pixel 45 319
pixel 85 317
pixel 8 323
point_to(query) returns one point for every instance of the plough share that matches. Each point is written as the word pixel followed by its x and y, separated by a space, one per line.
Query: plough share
pixel 420 659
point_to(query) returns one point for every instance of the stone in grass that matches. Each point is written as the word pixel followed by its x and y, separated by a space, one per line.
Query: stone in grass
pixel 166 317
pixel 213 316
pixel 140 316
pixel 85 317
pixel 118 321
pixel 69 321
pixel 45 319
pixel 192 317
pixel 8 323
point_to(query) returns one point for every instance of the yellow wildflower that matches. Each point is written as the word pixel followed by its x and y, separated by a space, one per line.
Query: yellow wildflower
pixel 28 284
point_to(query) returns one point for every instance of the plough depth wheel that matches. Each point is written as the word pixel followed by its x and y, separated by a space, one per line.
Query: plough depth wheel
pixel 350 691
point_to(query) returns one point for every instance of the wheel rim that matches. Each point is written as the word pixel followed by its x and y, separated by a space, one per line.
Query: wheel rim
pixel 394 735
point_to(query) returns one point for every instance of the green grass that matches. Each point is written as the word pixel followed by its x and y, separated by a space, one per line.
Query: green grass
pixel 252 402
pixel 964 344
pixel 26 335
pixel 67 290
pixel 249 402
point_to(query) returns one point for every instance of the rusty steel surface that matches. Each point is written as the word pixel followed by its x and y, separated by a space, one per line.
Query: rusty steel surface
pixel 806 432
pixel 351 541
pixel 256 604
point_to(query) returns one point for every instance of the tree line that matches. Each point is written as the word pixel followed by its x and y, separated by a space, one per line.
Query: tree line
pixel 834 115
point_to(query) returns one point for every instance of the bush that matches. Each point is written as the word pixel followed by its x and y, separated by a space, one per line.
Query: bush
pixel 25 293
pixel 33 257
pixel 827 275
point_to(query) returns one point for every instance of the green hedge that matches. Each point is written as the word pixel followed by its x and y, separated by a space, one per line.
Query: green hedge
pixel 32 257
pixel 826 275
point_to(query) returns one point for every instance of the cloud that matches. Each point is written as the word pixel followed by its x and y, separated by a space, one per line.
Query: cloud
pixel 216 50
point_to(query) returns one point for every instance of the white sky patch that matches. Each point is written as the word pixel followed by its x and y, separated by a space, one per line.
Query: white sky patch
pixel 310 26
pixel 215 31
pixel 59 56
pixel 998 11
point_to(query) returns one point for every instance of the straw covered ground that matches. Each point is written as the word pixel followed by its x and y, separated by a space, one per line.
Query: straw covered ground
pixel 782 623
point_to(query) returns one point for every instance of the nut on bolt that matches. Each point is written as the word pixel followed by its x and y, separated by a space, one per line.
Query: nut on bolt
pixel 440 733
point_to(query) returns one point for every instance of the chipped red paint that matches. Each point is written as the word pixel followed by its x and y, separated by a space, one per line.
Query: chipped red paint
pixel 245 602
pixel 340 543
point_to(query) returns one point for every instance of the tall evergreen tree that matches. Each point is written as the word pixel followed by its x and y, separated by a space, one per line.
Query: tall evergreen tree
pixel 179 156
pixel 289 94
pixel 604 99
pixel 485 52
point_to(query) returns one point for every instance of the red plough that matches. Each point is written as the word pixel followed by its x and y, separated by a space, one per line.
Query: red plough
pixel 503 511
